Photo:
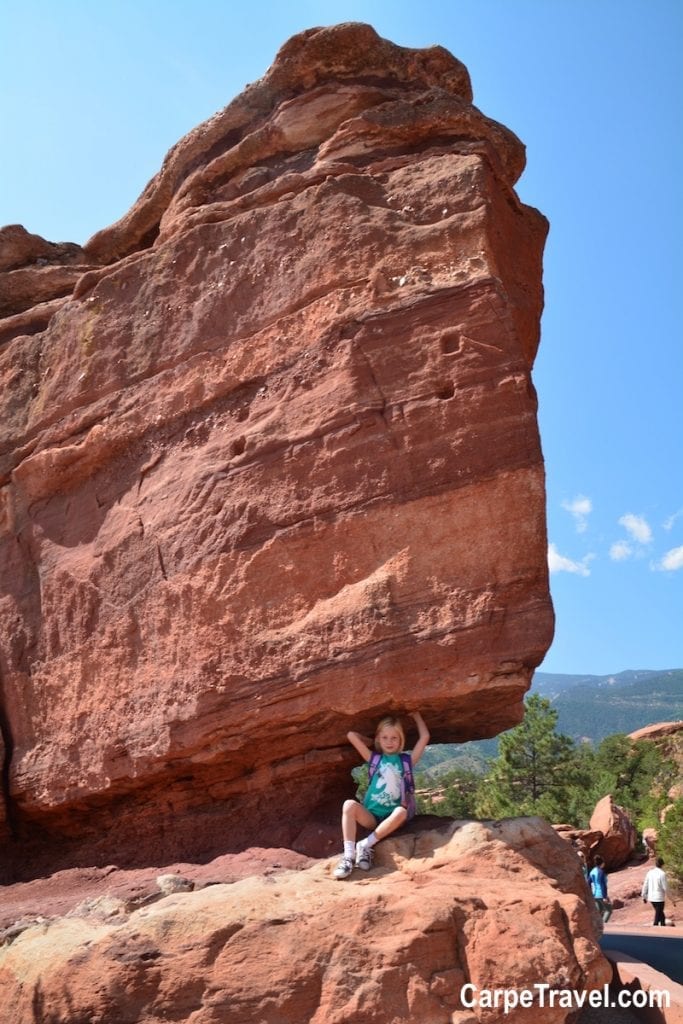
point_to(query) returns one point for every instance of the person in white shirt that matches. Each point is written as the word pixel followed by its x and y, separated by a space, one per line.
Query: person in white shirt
pixel 654 890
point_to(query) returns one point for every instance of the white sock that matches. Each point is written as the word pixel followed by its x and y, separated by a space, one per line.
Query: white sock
pixel 349 849
pixel 370 841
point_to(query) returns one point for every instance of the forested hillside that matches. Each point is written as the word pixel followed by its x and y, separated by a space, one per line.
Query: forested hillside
pixel 605 705
pixel 588 708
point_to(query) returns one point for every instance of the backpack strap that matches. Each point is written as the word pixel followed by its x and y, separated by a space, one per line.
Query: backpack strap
pixel 408 785
pixel 373 763
pixel 408 771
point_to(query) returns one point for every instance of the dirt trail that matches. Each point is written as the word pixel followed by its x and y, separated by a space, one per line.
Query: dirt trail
pixel 624 888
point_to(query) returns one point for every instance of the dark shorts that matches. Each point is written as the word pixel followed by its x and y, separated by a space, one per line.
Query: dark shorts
pixel 379 818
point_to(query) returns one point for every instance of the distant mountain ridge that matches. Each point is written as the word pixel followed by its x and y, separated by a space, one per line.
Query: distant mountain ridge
pixel 589 707
pixel 551 684
pixel 592 707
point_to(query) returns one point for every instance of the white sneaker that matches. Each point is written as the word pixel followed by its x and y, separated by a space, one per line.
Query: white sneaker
pixel 343 868
pixel 364 856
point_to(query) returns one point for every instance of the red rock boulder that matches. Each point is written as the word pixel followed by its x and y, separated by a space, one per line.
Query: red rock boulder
pixel 583 840
pixel 618 833
pixel 272 467
pixel 445 915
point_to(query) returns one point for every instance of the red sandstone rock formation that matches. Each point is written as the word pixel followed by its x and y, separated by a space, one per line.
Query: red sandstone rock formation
pixel 272 467
pixel 581 839
pixel 491 905
pixel 660 731
pixel 618 833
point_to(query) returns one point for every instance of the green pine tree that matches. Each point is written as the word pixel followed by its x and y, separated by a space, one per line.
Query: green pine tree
pixel 670 844
pixel 455 794
pixel 536 769
pixel 636 774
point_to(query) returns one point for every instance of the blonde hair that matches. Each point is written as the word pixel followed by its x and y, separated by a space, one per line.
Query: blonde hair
pixel 390 722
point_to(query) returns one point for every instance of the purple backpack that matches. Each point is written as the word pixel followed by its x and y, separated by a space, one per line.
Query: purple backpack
pixel 407 780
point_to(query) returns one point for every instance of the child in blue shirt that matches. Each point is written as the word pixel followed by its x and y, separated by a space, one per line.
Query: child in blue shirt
pixel 598 881
pixel 382 810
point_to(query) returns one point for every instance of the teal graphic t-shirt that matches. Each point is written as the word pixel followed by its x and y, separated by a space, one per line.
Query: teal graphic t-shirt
pixel 384 792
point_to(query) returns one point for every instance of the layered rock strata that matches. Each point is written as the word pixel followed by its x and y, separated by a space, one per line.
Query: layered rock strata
pixel 444 918
pixel 271 466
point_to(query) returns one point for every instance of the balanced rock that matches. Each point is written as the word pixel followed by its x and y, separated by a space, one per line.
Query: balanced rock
pixel 271 468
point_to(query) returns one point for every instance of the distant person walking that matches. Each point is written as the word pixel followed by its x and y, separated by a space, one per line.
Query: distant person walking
pixel 654 891
pixel 598 881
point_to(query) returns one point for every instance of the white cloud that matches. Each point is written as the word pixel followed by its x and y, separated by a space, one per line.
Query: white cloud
pixel 558 563
pixel 671 561
pixel 668 523
pixel 580 508
pixel 638 528
pixel 620 550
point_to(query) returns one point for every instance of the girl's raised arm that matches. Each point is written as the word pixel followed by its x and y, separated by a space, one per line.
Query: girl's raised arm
pixel 361 744
pixel 423 737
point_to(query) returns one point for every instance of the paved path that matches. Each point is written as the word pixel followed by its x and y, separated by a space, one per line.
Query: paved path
pixel 662 948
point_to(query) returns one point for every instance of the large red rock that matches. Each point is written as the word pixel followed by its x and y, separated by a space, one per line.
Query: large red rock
pixel 273 467
pixel 486 905
pixel 618 833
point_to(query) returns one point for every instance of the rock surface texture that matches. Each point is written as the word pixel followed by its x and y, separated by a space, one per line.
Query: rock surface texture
pixel 489 905
pixel 269 462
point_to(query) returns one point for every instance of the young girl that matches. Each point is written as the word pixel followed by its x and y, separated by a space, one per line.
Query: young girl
pixel 383 809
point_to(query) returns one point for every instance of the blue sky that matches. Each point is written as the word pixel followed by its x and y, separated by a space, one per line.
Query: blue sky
pixel 93 94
